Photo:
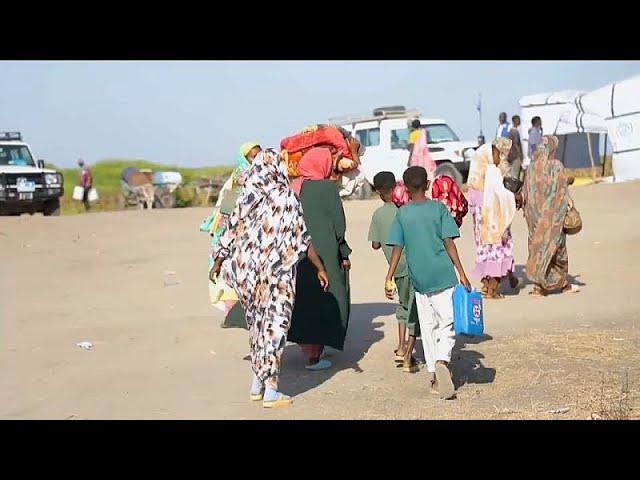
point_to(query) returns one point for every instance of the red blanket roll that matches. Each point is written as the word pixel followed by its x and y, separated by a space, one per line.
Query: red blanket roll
pixel 327 136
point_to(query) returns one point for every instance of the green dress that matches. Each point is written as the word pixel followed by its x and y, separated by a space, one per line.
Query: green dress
pixel 320 317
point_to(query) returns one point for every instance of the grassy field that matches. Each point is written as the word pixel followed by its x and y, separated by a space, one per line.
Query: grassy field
pixel 106 179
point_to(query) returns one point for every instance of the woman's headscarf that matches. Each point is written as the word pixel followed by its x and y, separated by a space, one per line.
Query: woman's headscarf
pixel 483 158
pixel 421 157
pixel 267 234
pixel 498 203
pixel 316 164
pixel 242 163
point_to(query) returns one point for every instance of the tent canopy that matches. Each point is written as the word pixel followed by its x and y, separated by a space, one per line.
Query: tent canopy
pixel 561 113
pixel 613 109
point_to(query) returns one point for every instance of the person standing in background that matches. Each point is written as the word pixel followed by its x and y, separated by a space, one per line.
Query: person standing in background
pixel 535 135
pixel 86 182
pixel 515 156
pixel 503 127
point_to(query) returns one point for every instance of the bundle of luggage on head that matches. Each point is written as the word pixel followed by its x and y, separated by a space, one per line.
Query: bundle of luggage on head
pixel 344 148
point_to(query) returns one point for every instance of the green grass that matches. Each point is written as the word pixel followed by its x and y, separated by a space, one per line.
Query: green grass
pixel 106 179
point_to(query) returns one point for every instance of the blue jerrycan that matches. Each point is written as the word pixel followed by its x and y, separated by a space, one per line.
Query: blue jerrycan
pixel 468 312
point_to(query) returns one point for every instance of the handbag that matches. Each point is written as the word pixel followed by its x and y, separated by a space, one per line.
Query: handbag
pixel 572 219
pixel 512 184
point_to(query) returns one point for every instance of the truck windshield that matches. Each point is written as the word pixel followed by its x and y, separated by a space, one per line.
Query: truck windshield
pixel 18 155
pixel 440 133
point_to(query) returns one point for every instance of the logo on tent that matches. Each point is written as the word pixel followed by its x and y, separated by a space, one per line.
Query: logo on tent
pixel 624 129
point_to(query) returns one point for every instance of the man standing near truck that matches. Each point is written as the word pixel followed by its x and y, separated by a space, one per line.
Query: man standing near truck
pixel 86 182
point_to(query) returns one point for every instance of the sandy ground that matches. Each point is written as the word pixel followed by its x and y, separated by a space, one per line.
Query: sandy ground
pixel 134 284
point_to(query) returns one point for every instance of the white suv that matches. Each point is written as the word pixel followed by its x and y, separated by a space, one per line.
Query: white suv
pixel 385 135
pixel 25 185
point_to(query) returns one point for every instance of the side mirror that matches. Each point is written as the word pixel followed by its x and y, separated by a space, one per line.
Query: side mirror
pixel 40 163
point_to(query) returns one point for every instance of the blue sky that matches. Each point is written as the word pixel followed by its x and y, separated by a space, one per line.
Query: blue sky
pixel 198 113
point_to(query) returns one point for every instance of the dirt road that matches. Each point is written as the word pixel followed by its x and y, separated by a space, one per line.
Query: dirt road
pixel 134 284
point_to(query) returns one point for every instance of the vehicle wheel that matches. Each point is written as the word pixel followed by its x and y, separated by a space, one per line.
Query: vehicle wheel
pixel 365 190
pixel 52 208
pixel 164 199
pixel 447 168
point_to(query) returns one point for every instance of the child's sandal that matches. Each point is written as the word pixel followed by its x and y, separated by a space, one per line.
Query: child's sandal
pixel 410 367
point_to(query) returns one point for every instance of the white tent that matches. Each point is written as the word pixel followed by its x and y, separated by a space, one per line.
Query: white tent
pixel 618 104
pixel 562 114
pixel 613 109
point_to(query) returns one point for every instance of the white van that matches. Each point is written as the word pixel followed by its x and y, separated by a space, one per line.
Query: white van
pixel 385 135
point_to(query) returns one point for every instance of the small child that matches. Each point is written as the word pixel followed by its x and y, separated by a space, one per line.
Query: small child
pixel 379 230
pixel 426 229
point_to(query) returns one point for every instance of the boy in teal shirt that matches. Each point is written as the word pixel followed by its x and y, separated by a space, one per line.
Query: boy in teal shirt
pixel 379 229
pixel 426 230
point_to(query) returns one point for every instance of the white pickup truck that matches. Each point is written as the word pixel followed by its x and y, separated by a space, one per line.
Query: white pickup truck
pixel 385 135
pixel 25 185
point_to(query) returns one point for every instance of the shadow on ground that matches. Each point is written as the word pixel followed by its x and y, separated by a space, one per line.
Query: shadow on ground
pixel 524 281
pixel 363 332
pixel 466 364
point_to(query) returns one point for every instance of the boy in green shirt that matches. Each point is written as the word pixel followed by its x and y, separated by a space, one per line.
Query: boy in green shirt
pixel 426 229
pixel 406 313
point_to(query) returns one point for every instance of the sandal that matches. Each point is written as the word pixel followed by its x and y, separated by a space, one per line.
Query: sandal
pixel 282 401
pixel 495 296
pixel 399 358
pixel 537 292
pixel 410 367
pixel 319 365
pixel 256 397
pixel 570 288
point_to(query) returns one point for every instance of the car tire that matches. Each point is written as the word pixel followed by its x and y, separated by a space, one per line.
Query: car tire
pixel 52 208
pixel 447 168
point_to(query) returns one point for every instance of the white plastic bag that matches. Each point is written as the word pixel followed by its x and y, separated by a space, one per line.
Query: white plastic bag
pixel 93 195
pixel 78 193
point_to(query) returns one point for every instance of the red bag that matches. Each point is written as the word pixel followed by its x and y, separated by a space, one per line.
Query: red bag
pixel 327 137
pixel 446 191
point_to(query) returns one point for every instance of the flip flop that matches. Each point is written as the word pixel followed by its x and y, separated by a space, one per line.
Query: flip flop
pixel 256 397
pixel 282 401
pixel 537 292
pixel 412 367
pixel 571 289
pixel 493 297
pixel 399 358
pixel 322 364
pixel 446 388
